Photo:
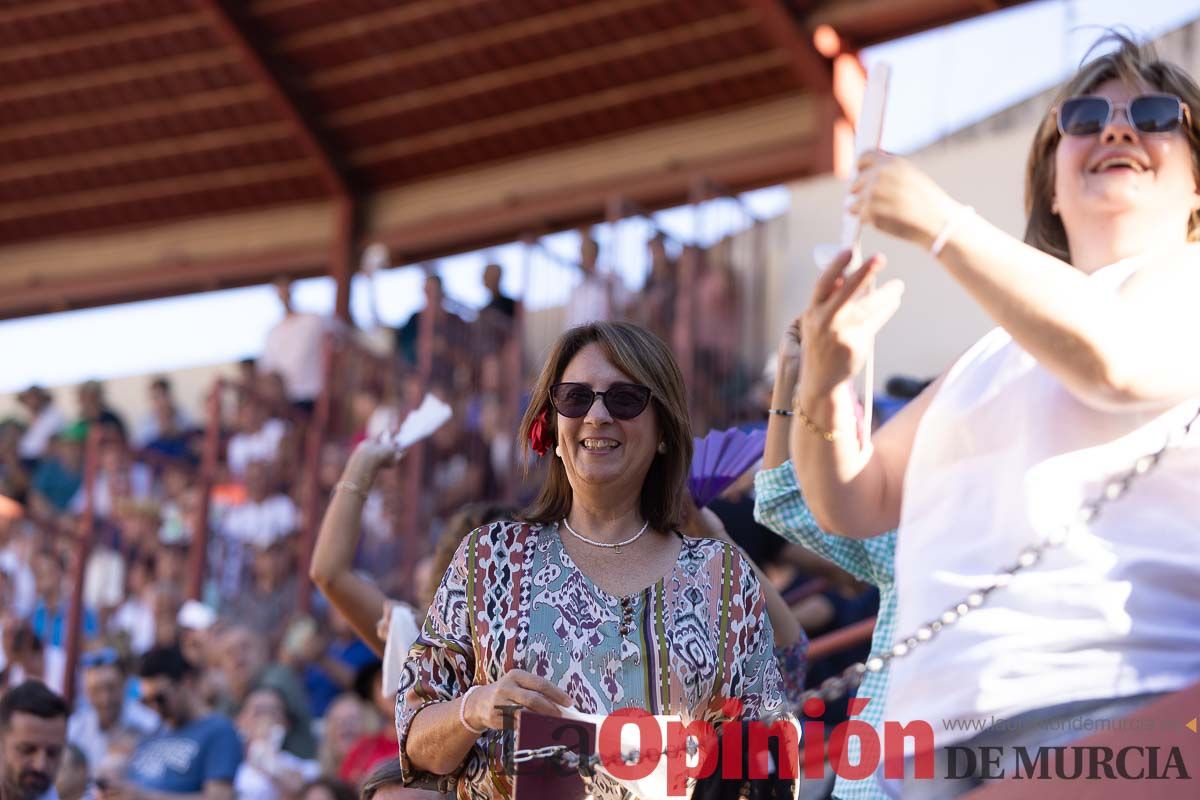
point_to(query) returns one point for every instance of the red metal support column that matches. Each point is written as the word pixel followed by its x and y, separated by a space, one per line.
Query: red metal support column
pixel 849 86
pixel 210 455
pixel 317 428
pixel 83 548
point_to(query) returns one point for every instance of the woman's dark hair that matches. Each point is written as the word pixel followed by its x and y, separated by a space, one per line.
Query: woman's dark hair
pixel 647 360
pixel 386 774
pixel 1134 64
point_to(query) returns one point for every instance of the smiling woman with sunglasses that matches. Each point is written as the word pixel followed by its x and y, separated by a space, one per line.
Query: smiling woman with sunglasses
pixel 1092 367
pixel 595 600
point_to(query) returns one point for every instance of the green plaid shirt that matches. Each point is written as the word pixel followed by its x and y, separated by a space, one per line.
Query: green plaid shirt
pixel 779 506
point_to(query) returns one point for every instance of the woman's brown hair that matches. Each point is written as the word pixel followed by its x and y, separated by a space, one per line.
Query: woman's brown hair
pixel 1134 64
pixel 647 360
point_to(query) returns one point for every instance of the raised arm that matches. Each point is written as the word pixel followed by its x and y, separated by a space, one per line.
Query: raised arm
pixel 332 569
pixel 852 485
pixel 787 374
pixel 1111 349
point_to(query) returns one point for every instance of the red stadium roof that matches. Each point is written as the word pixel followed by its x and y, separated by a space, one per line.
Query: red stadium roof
pixel 131 130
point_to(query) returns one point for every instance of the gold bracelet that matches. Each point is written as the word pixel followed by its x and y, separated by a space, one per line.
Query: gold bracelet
pixel 351 486
pixel 812 427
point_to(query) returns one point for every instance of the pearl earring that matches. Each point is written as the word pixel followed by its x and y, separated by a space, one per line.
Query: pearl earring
pixel 558 450
pixel 662 447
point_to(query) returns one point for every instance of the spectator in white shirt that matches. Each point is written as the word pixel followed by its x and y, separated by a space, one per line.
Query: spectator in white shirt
pixel 44 421
pixel 258 437
pixel 266 516
pixel 119 477
pixel 598 296
pixel 294 348
pixel 108 713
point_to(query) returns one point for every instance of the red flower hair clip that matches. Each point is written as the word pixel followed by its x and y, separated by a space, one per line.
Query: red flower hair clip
pixel 540 440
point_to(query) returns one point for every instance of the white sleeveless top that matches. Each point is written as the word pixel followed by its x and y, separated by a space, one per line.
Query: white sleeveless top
pixel 1003 455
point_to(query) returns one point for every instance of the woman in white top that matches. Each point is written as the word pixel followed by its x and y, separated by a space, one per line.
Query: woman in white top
pixel 1092 368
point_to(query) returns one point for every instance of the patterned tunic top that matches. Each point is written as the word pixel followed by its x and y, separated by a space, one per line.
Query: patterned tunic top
pixel 513 599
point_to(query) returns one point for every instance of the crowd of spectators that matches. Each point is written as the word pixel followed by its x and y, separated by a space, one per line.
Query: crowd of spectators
pixel 163 680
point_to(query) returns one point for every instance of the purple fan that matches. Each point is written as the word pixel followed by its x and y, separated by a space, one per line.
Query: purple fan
pixel 720 458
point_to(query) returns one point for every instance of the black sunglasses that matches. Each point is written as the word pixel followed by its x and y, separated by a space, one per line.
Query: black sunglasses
pixel 1087 115
pixel 623 400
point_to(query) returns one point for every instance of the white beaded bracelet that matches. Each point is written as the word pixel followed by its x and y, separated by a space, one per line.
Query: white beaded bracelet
pixel 956 217
pixel 462 712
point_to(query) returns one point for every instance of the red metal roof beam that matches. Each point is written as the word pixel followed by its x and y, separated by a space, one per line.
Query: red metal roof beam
pixel 335 180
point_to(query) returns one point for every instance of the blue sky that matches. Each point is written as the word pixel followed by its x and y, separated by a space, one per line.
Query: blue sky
pixel 941 81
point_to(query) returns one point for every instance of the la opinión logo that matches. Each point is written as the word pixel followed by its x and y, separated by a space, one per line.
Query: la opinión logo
pixel 754 738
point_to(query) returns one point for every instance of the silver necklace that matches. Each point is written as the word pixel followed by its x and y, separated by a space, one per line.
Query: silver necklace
pixel 612 545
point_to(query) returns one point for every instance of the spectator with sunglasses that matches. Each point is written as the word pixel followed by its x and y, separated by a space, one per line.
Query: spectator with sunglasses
pixel 193 753
pixel 594 600
pixel 1091 370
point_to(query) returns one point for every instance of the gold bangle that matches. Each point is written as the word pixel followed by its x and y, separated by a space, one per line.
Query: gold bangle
pixel 352 487
pixel 812 427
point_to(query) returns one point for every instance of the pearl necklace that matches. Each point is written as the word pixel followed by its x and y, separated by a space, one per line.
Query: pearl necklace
pixel 615 546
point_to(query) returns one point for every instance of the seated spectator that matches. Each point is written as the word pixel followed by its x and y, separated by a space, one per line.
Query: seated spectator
pixel 94 409
pixel 26 658
pixel 374 749
pixel 270 598
pixel 49 617
pixel 328 663
pixel 45 420
pixel 33 736
pixel 347 720
pixel 245 665
pixel 59 474
pixel 258 437
pixel 458 468
pixel 73 781
pixel 269 772
pixel 108 713
pixel 262 519
pixel 118 477
pixel 197 639
pixel 16 551
pixel 164 422
pixel 192 753
pixel 135 616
